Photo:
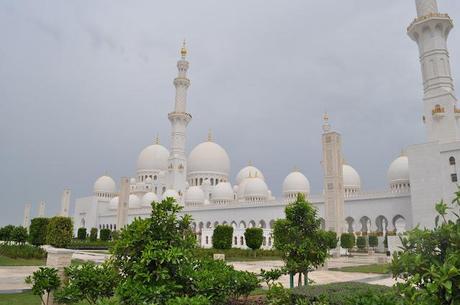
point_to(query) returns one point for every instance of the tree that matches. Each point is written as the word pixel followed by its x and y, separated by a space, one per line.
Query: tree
pixel 81 233
pixel 5 233
pixel 331 237
pixel 19 235
pixel 299 237
pixel 59 232
pixel 44 281
pixel 429 264
pixel 105 234
pixel 254 238
pixel 347 241
pixel 361 242
pixel 373 241
pixel 93 234
pixel 37 231
pixel 222 237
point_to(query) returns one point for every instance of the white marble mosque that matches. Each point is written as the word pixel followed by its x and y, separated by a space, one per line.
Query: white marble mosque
pixel 200 181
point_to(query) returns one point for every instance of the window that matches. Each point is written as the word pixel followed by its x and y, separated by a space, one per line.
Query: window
pixel 453 177
pixel 235 241
pixel 241 240
pixel 207 240
pixel 452 161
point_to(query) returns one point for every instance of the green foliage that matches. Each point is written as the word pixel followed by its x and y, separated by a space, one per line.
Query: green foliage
pixel 254 237
pixel 93 234
pixel 90 245
pixel 19 235
pixel 37 231
pixel 59 232
pixel 361 242
pixel 198 300
pixel 88 282
pixel 5 233
pixel 81 233
pixel 347 241
pixel 349 293
pixel 114 235
pixel 272 275
pixel 44 281
pixel 22 251
pixel 278 295
pixel 373 241
pixel 299 237
pixel 331 238
pixel 237 254
pixel 429 264
pixel 105 234
pixel 222 237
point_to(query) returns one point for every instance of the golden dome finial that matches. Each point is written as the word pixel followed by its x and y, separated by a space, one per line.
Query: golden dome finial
pixel 157 139
pixel 183 50
pixel 209 135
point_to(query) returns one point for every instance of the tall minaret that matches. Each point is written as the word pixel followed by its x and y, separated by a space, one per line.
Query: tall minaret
pixel 333 178
pixel 26 221
pixel 65 203
pixel 179 119
pixel 41 209
pixel 430 30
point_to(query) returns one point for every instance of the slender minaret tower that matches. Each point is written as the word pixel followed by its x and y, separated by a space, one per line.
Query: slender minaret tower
pixel 65 203
pixel 430 31
pixel 26 222
pixel 179 119
pixel 41 209
pixel 333 178
pixel 123 204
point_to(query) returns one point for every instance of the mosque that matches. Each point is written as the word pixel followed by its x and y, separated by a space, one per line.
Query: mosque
pixel 200 181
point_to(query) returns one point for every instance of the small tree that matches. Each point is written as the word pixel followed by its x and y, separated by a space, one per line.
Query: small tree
pixel 254 238
pixel 105 234
pixel 59 232
pixel 331 238
pixel 299 237
pixel 19 235
pixel 373 241
pixel 222 237
pixel 93 234
pixel 361 242
pixel 44 281
pixel 81 233
pixel 347 241
pixel 6 233
pixel 37 231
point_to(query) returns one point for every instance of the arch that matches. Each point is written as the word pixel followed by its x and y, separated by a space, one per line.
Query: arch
pixel 241 240
pixel 83 223
pixel 200 226
pixel 235 241
pixel 193 226
pixel 272 223
pixel 365 224
pixel 399 223
pixel 225 223
pixel 208 225
pixel 381 223
pixel 252 224
pixel 242 225
pixel 262 224
pixel 350 222
pixel 216 223
pixel 270 241
pixel 234 226
pixel 452 160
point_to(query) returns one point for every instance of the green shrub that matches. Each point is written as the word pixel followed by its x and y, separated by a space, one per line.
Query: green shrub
pixel 37 231
pixel 278 295
pixel 81 233
pixel 198 300
pixel 19 235
pixel 361 242
pixel 373 241
pixel 347 241
pixel 93 234
pixel 88 245
pixel 104 234
pixel 338 293
pixel 331 238
pixel 114 235
pixel 22 251
pixel 44 281
pixel 5 233
pixel 254 237
pixel 59 232
pixel 222 237
pixel 236 254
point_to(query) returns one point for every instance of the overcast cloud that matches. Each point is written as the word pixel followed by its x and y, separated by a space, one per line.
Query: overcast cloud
pixel 86 85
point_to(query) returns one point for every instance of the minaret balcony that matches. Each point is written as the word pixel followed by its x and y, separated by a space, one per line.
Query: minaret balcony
pixel 438 111
pixel 172 116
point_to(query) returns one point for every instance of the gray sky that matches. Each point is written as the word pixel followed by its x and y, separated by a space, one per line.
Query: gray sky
pixel 86 85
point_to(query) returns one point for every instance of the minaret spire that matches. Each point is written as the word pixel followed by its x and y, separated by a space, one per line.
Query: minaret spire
pixel 430 31
pixel 179 119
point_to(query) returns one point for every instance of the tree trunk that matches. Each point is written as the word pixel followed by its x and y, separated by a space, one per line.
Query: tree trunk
pixel 299 280
pixel 305 279
pixel 291 280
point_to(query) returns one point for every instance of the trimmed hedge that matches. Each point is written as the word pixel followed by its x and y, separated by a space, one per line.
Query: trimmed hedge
pixel 81 233
pixel 22 251
pixel 222 237
pixel 373 241
pixel 338 293
pixel 90 245
pixel 105 234
pixel 331 239
pixel 59 232
pixel 347 241
pixel 361 242
pixel 235 253
pixel 254 237
pixel 93 234
pixel 37 231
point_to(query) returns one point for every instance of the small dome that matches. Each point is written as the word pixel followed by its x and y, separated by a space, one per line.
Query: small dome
pixel 105 184
pixel 209 157
pixel 132 180
pixel 171 193
pixel 247 171
pixel 113 205
pixel 148 198
pixel 194 195
pixel 398 172
pixel 148 180
pixel 223 191
pixel 296 182
pixel 255 187
pixel 153 157
pixel 351 179
pixel 134 201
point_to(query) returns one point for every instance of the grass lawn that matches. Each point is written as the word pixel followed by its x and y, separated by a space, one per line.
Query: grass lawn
pixel 374 268
pixel 25 298
pixel 6 261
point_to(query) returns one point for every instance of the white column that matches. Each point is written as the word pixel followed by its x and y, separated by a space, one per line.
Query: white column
pixel 123 204
pixel 426 7
pixel 26 221
pixel 41 209
pixel 65 203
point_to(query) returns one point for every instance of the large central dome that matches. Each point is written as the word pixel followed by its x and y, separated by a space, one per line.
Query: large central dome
pixel 209 157
pixel 153 157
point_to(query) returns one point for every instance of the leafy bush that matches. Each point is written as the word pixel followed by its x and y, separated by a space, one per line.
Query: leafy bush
pixel 59 232
pixel 347 241
pixel 331 238
pixel 114 235
pixel 198 300
pixel 278 295
pixel 37 231
pixel 88 282
pixel 19 235
pixel 222 237
pixel 81 233
pixel 44 281
pixel 90 245
pixel 373 241
pixel 254 237
pixel 22 251
pixel 236 254
pixel 339 293
pixel 105 234
pixel 93 234
pixel 361 242
pixel 5 233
